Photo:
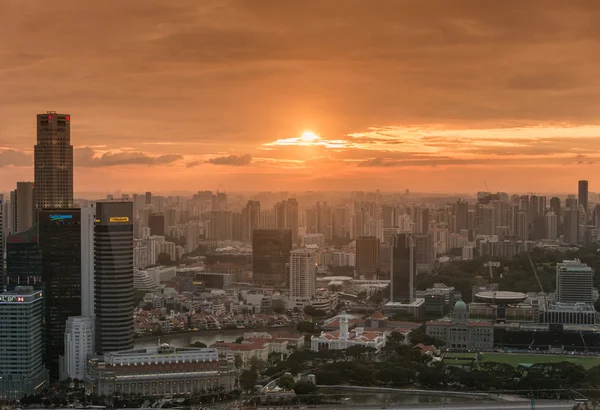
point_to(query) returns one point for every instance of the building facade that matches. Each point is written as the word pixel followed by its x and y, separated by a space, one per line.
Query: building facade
pixel 402 268
pixel 53 162
pixel 59 236
pixel 574 282
pixel 22 369
pixel 462 333
pixel 270 254
pixel 113 277
pixel 79 345
pixel 367 256
pixel 23 259
pixel 303 276
pixel 159 371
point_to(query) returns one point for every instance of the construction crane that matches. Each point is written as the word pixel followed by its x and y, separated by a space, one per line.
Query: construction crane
pixel 538 280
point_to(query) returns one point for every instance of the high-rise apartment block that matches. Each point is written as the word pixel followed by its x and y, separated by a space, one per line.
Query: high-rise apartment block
pixel 574 282
pixel 113 276
pixel 22 369
pixel 270 254
pixel 53 162
pixel 303 276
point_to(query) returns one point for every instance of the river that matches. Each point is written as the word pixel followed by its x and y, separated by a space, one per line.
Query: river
pixel 208 337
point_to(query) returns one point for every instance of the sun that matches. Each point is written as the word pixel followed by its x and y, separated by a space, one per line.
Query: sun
pixel 309 136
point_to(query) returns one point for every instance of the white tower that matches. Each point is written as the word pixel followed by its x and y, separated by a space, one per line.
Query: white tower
pixel 344 326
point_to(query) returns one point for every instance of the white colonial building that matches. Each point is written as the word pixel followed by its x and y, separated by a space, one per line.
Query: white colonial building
pixel 344 338
pixel 461 333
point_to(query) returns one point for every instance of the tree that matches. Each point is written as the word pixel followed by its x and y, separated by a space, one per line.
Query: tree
pixel 248 379
pixel 239 362
pixel 198 344
pixel 239 339
pixel 306 326
pixel 286 382
pixel 304 387
pixel 257 365
pixel 329 377
pixel 432 378
pixel 278 306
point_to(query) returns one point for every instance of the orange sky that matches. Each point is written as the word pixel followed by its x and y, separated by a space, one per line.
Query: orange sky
pixel 420 95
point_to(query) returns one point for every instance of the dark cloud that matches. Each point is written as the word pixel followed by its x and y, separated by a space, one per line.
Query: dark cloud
pixel 85 157
pixel 235 160
pixel 379 162
pixel 16 158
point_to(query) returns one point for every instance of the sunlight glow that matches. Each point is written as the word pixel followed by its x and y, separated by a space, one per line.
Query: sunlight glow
pixel 309 136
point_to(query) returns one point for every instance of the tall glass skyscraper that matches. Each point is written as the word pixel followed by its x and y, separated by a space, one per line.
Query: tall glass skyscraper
pixel 53 167
pixel 59 238
pixel 21 344
pixel 113 276
pixel 270 254
pixel 23 259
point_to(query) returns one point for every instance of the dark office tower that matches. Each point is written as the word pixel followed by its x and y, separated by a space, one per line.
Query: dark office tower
pixel 148 198
pixel 59 238
pixel 402 268
pixel 292 217
pixel 250 219
pixel 571 226
pixel 23 259
pixel 461 212
pixel 270 253
pixel 367 256
pixel 113 276
pixel 156 223
pixel 21 200
pixel 555 205
pixel 53 162
pixel 583 196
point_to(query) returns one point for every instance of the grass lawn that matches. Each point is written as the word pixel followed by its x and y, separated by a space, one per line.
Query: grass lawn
pixel 515 359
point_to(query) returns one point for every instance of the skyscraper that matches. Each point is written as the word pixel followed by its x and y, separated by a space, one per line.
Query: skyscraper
pixel 571 226
pixel 156 222
pixel 59 238
pixel 367 256
pixel 88 220
pixel 53 162
pixel 113 276
pixel 582 196
pixel 2 233
pixel 21 344
pixel 23 259
pixel 22 206
pixel 402 268
pixel 79 343
pixel 270 254
pixel 303 276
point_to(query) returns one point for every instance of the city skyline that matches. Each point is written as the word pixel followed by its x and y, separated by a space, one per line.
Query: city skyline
pixel 429 97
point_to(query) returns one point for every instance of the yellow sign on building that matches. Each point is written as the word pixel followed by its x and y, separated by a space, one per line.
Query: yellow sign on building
pixel 119 219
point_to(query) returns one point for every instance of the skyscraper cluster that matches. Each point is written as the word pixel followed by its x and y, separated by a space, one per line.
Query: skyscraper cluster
pixel 69 271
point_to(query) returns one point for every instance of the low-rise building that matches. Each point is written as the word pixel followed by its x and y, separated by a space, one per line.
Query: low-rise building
pixel 159 371
pixel 461 333
pixel 344 337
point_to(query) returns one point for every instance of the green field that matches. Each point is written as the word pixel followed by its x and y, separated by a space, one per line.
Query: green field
pixel 516 358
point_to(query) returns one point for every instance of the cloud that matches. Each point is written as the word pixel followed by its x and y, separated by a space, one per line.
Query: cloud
pixel 86 157
pixel 15 158
pixel 378 162
pixel 234 160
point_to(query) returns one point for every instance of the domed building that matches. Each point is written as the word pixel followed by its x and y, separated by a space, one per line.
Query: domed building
pixel 461 333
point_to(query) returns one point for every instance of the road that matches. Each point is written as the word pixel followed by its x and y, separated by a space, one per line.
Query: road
pixel 539 405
